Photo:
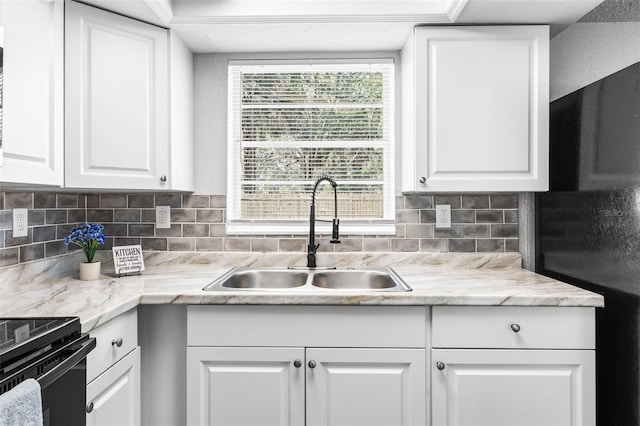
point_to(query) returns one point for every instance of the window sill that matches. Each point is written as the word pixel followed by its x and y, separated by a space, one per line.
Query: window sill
pixel 250 227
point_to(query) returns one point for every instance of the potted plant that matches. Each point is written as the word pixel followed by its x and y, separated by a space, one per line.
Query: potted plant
pixel 88 237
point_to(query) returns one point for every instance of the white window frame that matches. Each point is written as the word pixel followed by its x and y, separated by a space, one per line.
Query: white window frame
pixel 238 226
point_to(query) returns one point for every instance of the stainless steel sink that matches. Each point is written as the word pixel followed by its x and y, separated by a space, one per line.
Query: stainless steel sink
pixel 359 279
pixel 309 280
pixel 260 279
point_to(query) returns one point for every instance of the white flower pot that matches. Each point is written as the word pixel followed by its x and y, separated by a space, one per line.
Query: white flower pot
pixel 89 271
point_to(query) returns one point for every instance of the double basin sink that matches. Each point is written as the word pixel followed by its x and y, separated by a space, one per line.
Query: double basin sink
pixel 280 279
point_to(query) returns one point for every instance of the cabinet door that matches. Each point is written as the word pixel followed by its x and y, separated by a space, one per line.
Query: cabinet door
pixel 245 386
pixel 513 387
pixel 366 387
pixel 32 102
pixel 116 106
pixel 113 398
pixel 481 110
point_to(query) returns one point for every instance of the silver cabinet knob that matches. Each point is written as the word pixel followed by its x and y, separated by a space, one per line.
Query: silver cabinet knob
pixel 423 179
pixel 515 327
pixel 163 178
pixel 440 365
pixel 89 407
pixel 297 363
pixel 312 364
pixel 117 342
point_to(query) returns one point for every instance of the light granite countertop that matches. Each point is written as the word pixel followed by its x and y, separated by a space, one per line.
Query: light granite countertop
pixel 52 287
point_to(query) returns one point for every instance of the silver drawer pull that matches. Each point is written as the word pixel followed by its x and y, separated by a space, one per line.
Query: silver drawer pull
pixel 89 407
pixel 515 327
pixel 312 364
pixel 440 365
pixel 297 363
pixel 117 342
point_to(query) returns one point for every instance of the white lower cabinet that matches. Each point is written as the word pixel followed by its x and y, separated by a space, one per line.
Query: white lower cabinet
pixel 113 373
pixel 513 387
pixel 315 382
pixel 389 365
pixel 245 386
pixel 113 398
pixel 513 366
pixel 367 387
pixel 338 386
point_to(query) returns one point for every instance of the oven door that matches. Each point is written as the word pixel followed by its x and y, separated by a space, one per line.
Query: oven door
pixel 64 387
pixel 62 377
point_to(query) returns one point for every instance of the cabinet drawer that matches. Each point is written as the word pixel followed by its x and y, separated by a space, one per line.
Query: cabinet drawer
pixel 495 327
pixel 307 326
pixel 106 353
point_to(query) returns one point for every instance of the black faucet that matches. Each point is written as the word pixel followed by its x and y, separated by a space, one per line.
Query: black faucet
pixel 335 234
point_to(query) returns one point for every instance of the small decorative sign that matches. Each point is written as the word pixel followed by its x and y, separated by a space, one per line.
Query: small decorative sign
pixel 128 259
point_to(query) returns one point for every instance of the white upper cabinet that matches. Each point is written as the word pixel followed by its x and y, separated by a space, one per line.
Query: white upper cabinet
pixel 33 98
pixel 475 109
pixel 117 107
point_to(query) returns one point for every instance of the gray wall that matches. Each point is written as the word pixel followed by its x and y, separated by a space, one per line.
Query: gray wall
pixel 605 41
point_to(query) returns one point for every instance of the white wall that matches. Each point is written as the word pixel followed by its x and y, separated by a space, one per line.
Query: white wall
pixel 587 52
pixel 210 118
pixel 210 108
pixel 181 85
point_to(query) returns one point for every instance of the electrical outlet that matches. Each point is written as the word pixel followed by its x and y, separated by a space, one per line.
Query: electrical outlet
pixel 443 216
pixel 20 222
pixel 163 217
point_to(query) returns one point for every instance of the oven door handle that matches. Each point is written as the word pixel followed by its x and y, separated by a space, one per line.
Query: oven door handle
pixel 66 365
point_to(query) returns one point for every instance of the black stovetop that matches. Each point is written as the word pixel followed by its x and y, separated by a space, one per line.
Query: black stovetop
pixel 20 337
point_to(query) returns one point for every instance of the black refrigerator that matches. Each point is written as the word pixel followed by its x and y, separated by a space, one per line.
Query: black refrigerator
pixel 588 226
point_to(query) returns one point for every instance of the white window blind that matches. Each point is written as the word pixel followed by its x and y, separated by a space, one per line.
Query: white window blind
pixel 289 124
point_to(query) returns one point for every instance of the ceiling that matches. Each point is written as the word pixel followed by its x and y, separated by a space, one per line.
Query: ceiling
pixel 332 25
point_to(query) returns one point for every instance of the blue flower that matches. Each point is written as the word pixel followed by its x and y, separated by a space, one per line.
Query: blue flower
pixel 87 236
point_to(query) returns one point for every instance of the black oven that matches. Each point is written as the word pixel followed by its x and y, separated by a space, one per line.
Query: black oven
pixel 52 351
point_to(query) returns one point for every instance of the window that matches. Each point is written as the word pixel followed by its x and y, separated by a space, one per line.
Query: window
pixel 289 124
